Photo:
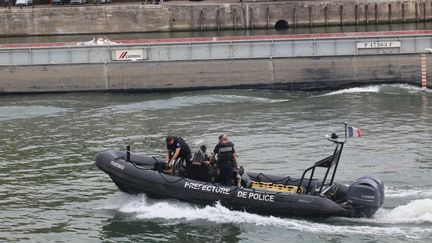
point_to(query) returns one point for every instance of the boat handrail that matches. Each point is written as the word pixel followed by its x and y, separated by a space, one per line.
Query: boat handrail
pixel 328 162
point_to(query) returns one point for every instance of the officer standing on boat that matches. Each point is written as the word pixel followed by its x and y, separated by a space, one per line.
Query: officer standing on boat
pixel 177 148
pixel 226 159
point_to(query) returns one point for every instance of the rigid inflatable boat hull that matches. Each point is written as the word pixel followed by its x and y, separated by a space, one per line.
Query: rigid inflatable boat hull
pixel 139 177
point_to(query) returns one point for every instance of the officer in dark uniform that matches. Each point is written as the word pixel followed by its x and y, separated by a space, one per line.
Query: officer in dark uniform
pixel 227 160
pixel 177 148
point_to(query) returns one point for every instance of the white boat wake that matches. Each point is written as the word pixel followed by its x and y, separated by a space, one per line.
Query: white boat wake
pixel 386 223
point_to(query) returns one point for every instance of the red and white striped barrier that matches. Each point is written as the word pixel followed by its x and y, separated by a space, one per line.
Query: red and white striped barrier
pixel 423 71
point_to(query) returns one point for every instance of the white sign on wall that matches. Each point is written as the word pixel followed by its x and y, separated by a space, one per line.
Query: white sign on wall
pixel 378 44
pixel 129 55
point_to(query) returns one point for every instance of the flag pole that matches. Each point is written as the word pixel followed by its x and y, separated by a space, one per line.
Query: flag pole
pixel 346 125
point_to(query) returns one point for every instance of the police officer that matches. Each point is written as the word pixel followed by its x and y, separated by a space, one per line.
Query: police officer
pixel 7 3
pixel 177 148
pixel 227 159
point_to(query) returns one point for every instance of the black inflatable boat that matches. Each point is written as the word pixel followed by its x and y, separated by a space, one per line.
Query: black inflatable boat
pixel 260 193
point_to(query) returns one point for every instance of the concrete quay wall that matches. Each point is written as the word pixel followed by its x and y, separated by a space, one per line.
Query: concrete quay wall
pixel 299 73
pixel 129 18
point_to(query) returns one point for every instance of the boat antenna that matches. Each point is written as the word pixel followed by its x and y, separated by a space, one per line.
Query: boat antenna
pixel 127 142
pixel 128 153
pixel 337 155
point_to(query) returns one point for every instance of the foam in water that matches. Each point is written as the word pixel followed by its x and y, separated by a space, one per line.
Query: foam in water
pixel 178 212
pixel 379 89
pixel 415 212
pixel 368 89
pixel 186 101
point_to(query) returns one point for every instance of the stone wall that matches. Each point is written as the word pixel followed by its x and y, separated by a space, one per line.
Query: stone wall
pixel 136 17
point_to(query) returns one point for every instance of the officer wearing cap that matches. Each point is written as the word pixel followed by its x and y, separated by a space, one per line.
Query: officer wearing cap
pixel 177 148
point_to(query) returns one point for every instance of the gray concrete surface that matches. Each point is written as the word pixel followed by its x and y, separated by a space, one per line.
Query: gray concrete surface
pixel 301 73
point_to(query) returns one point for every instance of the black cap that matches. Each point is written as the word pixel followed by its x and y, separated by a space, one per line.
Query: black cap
pixel 203 148
pixel 169 138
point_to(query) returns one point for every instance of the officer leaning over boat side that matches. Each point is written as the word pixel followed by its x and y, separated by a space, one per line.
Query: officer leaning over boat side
pixel 226 160
pixel 177 148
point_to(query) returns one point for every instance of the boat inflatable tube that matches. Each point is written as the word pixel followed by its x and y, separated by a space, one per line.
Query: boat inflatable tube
pixel 145 174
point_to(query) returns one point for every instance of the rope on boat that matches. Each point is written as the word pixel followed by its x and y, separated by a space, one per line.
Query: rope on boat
pixel 287 178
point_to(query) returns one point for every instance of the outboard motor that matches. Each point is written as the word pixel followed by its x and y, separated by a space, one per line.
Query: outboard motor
pixel 366 195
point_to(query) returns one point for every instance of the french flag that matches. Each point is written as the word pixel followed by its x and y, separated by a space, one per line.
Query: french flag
pixel 353 132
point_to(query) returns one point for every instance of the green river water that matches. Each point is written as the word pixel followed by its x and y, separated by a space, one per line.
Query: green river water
pixel 51 190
